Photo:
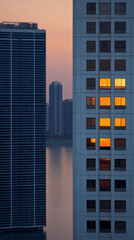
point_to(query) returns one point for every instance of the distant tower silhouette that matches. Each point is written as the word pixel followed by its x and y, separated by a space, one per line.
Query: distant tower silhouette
pixel 55 108
pixel 67 116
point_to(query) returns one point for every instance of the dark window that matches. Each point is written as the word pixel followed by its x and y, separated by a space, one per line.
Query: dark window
pixel 120 65
pixel 120 46
pixel 105 185
pixel 120 185
pixel 120 226
pixel 91 185
pixel 120 8
pixel 105 46
pixel 120 206
pixel 105 65
pixel 120 143
pixel 105 8
pixel 91 8
pixel 105 206
pixel 91 143
pixel 105 226
pixel 91 206
pixel 90 164
pixel 91 46
pixel 91 226
pixel 105 27
pixel 90 102
pixel 90 123
pixel 91 27
pixel 120 27
pixel 120 164
pixel 105 164
pixel 90 83
pixel 91 65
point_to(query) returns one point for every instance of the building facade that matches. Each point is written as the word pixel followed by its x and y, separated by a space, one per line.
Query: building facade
pixel 67 106
pixel 103 129
pixel 55 108
pixel 22 126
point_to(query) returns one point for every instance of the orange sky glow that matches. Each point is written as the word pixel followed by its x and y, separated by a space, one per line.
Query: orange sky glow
pixel 56 17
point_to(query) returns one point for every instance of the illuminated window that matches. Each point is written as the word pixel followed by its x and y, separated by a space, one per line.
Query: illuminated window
pixel 90 102
pixel 91 185
pixel 120 185
pixel 120 164
pixel 120 123
pixel 105 83
pixel 105 102
pixel 120 83
pixel 119 102
pixel 105 185
pixel 91 143
pixel 120 143
pixel 90 123
pixel 105 143
pixel 105 123
pixel 105 164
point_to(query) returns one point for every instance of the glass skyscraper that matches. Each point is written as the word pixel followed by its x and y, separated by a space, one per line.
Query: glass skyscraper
pixel 22 126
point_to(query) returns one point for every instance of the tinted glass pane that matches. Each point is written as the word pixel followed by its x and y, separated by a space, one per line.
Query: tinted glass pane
pixel 91 27
pixel 91 8
pixel 105 27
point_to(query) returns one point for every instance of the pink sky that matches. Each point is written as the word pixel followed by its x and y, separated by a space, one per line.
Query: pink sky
pixel 56 17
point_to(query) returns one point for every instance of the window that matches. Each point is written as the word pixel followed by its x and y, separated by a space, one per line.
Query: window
pixel 119 83
pixel 91 46
pixel 120 226
pixel 120 185
pixel 105 123
pixel 91 65
pixel 105 226
pixel 120 123
pixel 105 102
pixel 105 83
pixel 105 65
pixel 105 164
pixel 105 8
pixel 120 143
pixel 120 65
pixel 90 102
pixel 105 206
pixel 91 143
pixel 105 143
pixel 105 27
pixel 91 27
pixel 90 83
pixel 90 164
pixel 120 27
pixel 120 46
pixel 91 8
pixel 120 164
pixel 120 8
pixel 91 185
pixel 91 226
pixel 90 123
pixel 105 185
pixel 119 102
pixel 120 206
pixel 91 206
pixel 105 46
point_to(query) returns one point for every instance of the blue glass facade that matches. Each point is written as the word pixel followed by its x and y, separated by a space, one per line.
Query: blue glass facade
pixel 22 128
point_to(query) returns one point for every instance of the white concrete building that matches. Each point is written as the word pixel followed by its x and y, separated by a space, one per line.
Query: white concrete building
pixel 103 120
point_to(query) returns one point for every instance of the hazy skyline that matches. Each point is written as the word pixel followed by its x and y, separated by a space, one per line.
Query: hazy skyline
pixel 56 17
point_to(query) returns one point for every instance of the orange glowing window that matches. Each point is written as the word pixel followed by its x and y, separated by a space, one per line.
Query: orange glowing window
pixel 105 83
pixel 91 143
pixel 105 143
pixel 105 123
pixel 120 102
pixel 105 164
pixel 105 102
pixel 120 83
pixel 120 122
pixel 90 102
pixel 105 185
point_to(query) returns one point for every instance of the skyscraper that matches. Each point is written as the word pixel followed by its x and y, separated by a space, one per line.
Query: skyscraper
pixel 67 106
pixel 55 108
pixel 22 126
pixel 103 119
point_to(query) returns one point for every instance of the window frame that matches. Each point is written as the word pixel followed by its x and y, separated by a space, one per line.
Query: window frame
pixel 121 106
pixel 103 81
pixel 116 11
pixel 92 145
pixel 92 187
pixel 105 208
pixel 93 85
pixel 122 187
pixel 89 124
pixel 105 168
pixel 120 127
pixel 93 28
pixel 117 87
pixel 92 208
pixel 106 183
pixel 92 100
pixel 93 168
pixel 117 27
pixel 104 127
pixel 118 63
pixel 104 106
pixel 91 12
pixel 93 229
pixel 91 65
pixel 105 147
pixel 118 164
pixel 119 202
pixel 105 29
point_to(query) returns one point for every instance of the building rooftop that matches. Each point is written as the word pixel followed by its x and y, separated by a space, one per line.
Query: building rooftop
pixel 19 25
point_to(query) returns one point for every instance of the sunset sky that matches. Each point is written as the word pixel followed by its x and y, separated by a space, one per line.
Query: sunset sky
pixel 56 17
